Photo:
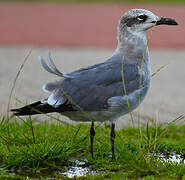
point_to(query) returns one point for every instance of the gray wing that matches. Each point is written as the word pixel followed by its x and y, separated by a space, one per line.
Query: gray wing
pixel 91 87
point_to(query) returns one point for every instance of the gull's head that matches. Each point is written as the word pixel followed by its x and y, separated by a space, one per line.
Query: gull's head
pixel 140 20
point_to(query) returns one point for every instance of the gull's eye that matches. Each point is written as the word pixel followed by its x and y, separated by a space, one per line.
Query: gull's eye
pixel 142 18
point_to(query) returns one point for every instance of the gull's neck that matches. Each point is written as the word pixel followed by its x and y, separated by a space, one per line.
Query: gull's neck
pixel 131 43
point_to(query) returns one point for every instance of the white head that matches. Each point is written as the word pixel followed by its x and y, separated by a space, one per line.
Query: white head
pixel 140 20
pixel 132 29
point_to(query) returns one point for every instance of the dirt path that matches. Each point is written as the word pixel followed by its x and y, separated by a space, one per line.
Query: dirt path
pixel 80 25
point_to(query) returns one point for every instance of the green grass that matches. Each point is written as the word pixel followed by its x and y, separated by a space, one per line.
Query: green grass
pixel 27 148
pixel 100 1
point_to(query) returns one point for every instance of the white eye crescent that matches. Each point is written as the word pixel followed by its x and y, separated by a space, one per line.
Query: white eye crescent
pixel 141 17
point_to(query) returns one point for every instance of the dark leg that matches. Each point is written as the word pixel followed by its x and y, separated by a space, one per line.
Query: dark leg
pixel 112 137
pixel 92 134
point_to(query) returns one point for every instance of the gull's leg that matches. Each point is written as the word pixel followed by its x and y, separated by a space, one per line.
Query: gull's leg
pixel 112 137
pixel 92 134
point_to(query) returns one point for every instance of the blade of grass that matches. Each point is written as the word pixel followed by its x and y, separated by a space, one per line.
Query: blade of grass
pixel 124 88
pixel 159 69
pixel 140 80
pixel 15 80
pixel 32 129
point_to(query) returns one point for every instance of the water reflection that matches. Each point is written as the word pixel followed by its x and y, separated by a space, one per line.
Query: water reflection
pixel 171 157
pixel 78 170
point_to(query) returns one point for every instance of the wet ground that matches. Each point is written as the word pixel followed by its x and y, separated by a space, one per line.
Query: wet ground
pixel 80 168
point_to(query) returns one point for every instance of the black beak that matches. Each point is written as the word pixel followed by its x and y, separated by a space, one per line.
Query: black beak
pixel 167 21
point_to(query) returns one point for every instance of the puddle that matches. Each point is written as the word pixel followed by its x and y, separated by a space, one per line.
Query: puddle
pixel 171 157
pixel 78 170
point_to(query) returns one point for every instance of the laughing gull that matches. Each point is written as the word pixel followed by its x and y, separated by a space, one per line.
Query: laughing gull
pixel 108 90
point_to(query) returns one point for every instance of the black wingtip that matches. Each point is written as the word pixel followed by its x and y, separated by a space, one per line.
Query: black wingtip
pixel 13 110
pixel 40 108
pixel 26 110
pixel 18 112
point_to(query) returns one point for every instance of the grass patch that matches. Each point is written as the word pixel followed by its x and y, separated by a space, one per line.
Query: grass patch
pixel 40 150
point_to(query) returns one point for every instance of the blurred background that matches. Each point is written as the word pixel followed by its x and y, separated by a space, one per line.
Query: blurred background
pixel 81 33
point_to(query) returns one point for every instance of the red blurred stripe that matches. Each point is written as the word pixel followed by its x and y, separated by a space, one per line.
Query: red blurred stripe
pixel 80 25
